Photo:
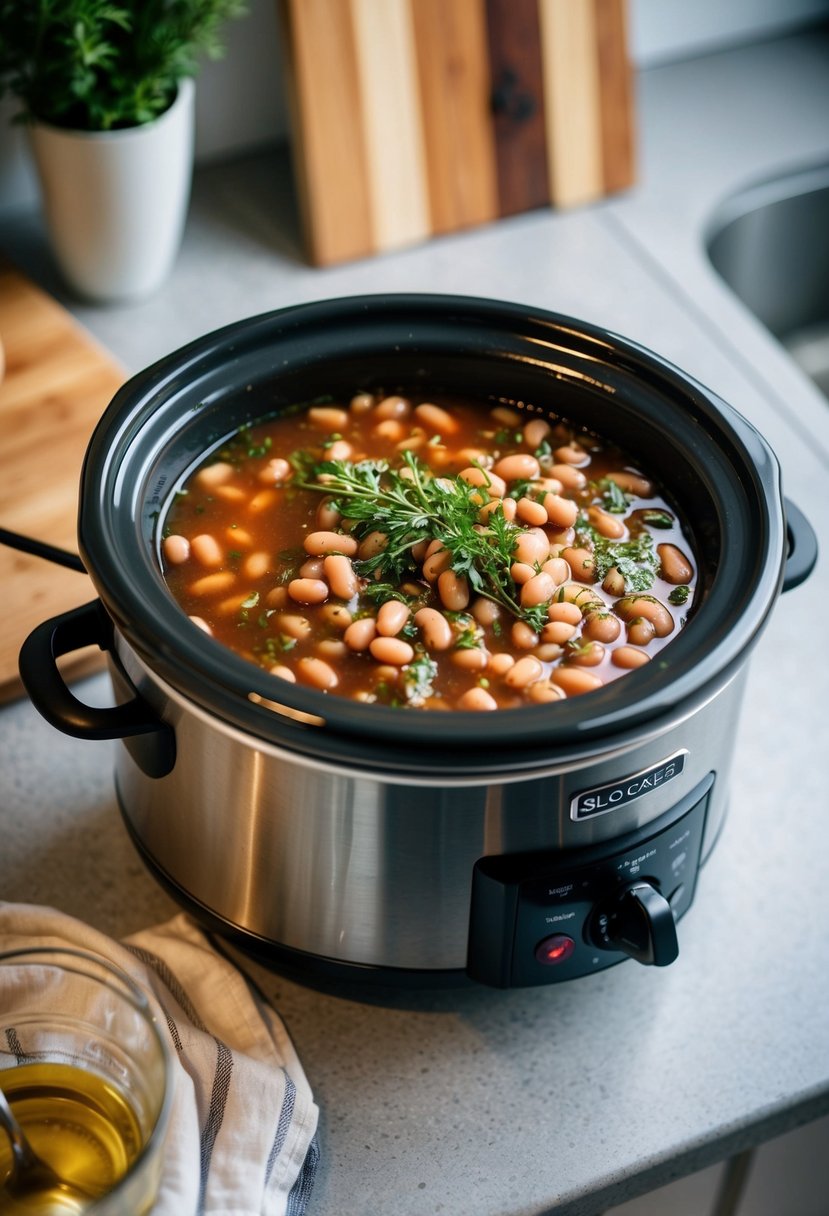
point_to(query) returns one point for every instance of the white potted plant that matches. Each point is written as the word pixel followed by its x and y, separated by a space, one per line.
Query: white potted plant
pixel 106 92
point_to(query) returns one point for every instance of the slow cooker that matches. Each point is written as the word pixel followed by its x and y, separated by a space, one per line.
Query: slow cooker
pixel 334 838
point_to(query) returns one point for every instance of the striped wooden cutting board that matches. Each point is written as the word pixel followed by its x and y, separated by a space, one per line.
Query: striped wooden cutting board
pixel 57 383
pixel 418 117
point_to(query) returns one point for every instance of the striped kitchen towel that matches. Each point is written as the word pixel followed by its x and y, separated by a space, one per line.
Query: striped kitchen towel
pixel 242 1138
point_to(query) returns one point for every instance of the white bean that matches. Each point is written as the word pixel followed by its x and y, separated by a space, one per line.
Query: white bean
pixel 256 565
pixel 543 691
pixel 575 680
pixel 336 615
pixel 210 584
pixel 470 658
pixel 505 415
pixel 500 663
pixel 283 672
pixel 176 549
pixel 571 453
pixel 391 429
pixel 570 477
pixel 436 419
pixel 530 512
pixel 292 625
pixel 521 572
pixel 206 550
pixel 327 515
pixel 536 431
pixel 628 657
pixel 523 637
pixel 538 590
pixel 569 612
pixel 494 485
pixel 526 671
pixel 477 700
pixel 317 673
pixel 520 466
pixel 436 630
pixel 632 483
pixel 674 565
pixel 605 523
pixel 392 617
pixel 213 475
pixel 318 544
pixel 394 651
pixel 275 472
pixel 435 564
pixel 453 591
pixel 360 633
pixel 340 575
pixel 312 568
pixel 327 418
pixel 485 611
pixel 392 407
pixel 561 512
pixel 308 590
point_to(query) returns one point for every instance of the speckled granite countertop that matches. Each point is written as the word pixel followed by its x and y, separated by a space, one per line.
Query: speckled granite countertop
pixel 570 1098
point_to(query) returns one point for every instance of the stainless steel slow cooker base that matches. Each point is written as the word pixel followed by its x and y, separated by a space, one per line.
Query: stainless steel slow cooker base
pixel 375 869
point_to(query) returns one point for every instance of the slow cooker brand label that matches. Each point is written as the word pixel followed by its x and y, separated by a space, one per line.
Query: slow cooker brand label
pixel 604 798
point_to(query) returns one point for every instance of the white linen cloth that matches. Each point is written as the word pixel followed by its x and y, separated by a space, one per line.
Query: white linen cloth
pixel 242 1138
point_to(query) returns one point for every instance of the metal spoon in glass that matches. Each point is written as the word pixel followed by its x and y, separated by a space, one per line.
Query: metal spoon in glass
pixel 30 1175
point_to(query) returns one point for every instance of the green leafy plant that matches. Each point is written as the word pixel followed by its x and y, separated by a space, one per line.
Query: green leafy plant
pixel 99 65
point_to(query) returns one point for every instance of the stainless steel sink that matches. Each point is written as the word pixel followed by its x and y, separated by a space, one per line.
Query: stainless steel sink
pixel 770 243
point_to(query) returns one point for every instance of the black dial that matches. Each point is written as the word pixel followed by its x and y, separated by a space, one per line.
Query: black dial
pixel 637 920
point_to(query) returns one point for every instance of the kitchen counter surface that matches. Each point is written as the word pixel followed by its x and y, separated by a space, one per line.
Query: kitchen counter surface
pixel 569 1098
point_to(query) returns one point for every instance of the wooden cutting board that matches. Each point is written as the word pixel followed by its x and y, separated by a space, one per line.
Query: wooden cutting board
pixel 57 382
pixel 413 118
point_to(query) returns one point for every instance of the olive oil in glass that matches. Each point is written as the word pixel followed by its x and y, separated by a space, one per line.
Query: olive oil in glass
pixel 79 1124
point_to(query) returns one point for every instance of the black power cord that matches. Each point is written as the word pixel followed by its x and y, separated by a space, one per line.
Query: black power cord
pixel 39 548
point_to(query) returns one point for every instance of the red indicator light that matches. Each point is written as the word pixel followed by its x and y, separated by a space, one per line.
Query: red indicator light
pixel 554 949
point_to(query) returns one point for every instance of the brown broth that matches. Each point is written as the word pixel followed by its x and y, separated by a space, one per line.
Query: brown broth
pixel 234 538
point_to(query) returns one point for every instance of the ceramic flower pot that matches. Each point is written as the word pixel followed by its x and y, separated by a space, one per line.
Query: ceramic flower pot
pixel 116 201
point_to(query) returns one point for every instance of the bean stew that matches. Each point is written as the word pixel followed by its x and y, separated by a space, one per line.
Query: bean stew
pixel 440 554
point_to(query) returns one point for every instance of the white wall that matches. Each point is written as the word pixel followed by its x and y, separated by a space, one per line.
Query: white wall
pixel 241 104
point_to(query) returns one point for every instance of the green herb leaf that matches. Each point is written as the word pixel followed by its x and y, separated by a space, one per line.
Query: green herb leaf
pixel 656 519
pixel 613 497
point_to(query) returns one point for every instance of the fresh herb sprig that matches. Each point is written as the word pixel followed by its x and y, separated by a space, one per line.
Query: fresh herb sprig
pixel 409 505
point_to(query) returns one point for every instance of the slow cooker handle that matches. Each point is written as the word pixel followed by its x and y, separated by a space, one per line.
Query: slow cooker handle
pixel 150 740
pixel 802 547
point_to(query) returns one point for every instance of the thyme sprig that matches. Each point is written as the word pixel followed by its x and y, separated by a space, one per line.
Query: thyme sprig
pixel 411 504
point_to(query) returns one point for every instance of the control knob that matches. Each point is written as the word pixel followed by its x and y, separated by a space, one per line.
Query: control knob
pixel 636 919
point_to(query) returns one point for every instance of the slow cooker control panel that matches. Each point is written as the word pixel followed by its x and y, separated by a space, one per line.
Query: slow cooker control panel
pixel 539 918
